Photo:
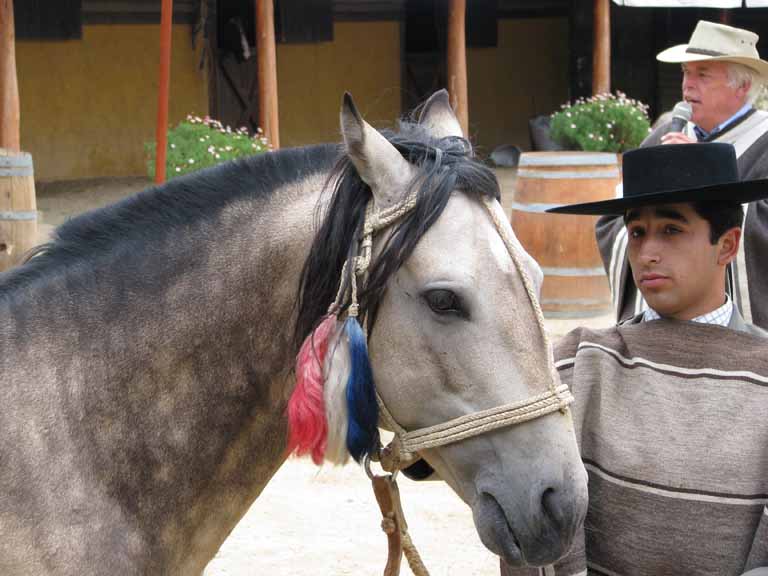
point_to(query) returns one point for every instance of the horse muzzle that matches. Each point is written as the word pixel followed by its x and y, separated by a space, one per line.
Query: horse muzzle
pixel 536 537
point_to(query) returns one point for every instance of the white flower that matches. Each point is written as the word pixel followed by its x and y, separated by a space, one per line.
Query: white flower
pixel 191 160
pixel 573 126
pixel 173 145
pixel 178 169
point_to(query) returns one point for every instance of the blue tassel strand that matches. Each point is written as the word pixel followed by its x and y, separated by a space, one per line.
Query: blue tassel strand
pixel 362 432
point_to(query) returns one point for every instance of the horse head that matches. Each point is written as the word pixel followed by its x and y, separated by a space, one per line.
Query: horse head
pixel 415 250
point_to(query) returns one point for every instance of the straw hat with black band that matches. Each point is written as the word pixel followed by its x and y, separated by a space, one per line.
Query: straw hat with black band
pixel 676 173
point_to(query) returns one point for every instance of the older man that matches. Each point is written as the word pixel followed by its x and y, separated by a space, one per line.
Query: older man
pixel 670 407
pixel 722 73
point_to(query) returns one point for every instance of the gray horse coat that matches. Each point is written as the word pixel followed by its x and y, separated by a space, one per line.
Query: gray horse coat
pixel 146 354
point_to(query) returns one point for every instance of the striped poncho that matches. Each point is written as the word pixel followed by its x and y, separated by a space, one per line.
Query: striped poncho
pixel 672 421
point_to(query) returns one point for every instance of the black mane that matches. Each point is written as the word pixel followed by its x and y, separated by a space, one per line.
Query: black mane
pixel 144 218
pixel 447 165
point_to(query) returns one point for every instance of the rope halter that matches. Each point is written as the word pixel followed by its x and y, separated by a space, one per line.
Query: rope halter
pixel 404 447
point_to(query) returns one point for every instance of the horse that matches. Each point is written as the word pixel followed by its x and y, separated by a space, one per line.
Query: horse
pixel 147 352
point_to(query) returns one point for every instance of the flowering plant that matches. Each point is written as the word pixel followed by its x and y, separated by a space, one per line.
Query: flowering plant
pixel 201 142
pixel 602 123
pixel 761 101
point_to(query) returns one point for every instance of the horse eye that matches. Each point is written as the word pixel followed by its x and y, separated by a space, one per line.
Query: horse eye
pixel 443 301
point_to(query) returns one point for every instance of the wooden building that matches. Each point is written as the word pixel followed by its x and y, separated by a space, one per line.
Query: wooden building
pixel 87 70
pixel 88 78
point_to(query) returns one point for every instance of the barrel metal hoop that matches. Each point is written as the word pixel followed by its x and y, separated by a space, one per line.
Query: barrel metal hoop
pixel 572 301
pixel 22 159
pixel 568 160
pixel 16 165
pixel 592 174
pixel 584 313
pixel 533 207
pixel 551 271
pixel 19 216
pixel 20 171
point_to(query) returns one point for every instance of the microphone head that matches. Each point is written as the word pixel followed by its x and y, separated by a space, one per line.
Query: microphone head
pixel 682 110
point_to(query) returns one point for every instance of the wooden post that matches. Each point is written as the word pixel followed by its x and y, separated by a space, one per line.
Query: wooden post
pixel 18 208
pixel 9 89
pixel 457 61
pixel 601 56
pixel 265 50
pixel 161 130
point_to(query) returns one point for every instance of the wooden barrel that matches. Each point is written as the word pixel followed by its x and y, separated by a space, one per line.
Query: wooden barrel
pixel 575 283
pixel 506 177
pixel 18 209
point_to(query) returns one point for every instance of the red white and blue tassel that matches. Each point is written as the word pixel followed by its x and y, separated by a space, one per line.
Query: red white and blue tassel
pixel 335 399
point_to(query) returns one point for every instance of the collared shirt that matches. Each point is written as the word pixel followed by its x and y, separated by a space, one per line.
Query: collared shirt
pixel 701 134
pixel 721 316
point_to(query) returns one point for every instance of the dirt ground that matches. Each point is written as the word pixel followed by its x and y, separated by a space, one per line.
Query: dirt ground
pixel 320 521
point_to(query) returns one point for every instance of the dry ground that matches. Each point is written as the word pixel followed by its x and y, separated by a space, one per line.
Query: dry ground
pixel 320 521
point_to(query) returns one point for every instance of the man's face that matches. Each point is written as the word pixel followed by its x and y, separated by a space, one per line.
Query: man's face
pixel 705 86
pixel 678 271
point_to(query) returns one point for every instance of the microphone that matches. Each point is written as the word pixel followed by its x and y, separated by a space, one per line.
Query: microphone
pixel 681 114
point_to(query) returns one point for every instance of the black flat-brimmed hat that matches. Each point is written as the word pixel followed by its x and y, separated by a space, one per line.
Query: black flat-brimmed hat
pixel 676 173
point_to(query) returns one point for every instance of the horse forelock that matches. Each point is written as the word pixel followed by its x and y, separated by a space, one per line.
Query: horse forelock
pixel 143 220
pixel 445 165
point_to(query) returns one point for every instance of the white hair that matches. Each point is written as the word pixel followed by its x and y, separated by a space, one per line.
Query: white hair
pixel 739 75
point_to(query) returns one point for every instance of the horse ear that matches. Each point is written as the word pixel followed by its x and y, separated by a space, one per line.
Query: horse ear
pixel 379 163
pixel 438 118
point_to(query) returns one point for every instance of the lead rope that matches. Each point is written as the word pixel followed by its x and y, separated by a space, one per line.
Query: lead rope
pixel 394 525
pixel 404 447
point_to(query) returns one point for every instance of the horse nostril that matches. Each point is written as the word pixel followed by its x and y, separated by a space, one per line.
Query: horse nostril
pixel 552 504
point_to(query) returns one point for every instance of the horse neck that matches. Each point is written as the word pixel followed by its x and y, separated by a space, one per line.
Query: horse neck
pixel 178 360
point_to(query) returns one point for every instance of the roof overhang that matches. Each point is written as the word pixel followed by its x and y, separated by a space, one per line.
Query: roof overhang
pixel 693 3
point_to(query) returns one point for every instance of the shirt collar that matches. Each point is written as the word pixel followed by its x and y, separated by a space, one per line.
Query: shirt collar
pixel 720 317
pixel 701 134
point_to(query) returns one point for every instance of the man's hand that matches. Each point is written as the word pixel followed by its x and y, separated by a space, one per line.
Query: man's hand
pixel 677 138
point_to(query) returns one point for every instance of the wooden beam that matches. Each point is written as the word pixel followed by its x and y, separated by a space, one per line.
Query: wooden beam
pixel 9 88
pixel 266 53
pixel 161 130
pixel 601 55
pixel 457 61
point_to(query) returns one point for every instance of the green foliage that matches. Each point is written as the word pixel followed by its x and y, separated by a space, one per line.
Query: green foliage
pixel 761 102
pixel 201 142
pixel 602 123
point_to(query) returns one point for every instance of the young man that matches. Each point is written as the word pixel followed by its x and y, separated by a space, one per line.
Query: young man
pixel 671 407
pixel 722 73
